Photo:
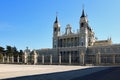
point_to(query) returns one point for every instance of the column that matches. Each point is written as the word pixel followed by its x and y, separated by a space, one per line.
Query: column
pixel 82 58
pixel 43 59
pixel 70 58
pixel 18 59
pixel 98 58
pixel 50 58
pixel 113 59
pixel 8 59
pixel 12 59
pixel 35 57
pixel 59 58
pixel 3 59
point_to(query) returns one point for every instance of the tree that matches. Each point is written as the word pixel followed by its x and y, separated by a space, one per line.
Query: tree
pixel 15 52
pixel 21 53
pixel 9 51
pixel 2 51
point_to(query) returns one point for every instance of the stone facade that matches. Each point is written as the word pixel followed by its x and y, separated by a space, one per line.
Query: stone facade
pixel 78 47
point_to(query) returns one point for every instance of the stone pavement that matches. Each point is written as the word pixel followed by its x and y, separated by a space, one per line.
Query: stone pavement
pixel 45 72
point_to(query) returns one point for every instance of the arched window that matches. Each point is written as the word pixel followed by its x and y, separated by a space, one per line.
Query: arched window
pixel 55 29
pixel 82 24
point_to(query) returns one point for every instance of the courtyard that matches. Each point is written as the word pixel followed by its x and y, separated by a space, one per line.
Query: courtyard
pixel 59 72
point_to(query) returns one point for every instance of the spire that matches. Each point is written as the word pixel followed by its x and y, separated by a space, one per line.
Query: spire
pixel 56 21
pixel 83 14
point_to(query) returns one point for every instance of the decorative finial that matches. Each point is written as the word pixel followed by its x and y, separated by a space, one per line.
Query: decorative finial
pixel 83 6
pixel 56 13
pixel 83 14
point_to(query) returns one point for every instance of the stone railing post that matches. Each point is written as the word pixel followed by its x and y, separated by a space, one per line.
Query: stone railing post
pixel 50 58
pixel 113 59
pixel 12 59
pixel 3 59
pixel 82 58
pixel 59 58
pixel 43 59
pixel 98 58
pixel 8 59
pixel 35 57
pixel 25 58
pixel 18 59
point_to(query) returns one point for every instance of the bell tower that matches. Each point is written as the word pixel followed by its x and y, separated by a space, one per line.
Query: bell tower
pixel 56 28
pixel 83 40
pixel 56 32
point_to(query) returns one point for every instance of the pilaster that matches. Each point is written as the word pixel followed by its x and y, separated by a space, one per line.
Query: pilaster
pixel 70 58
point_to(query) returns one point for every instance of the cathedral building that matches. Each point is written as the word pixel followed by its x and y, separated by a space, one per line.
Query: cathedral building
pixel 73 48
pixel 81 47
pixel 76 48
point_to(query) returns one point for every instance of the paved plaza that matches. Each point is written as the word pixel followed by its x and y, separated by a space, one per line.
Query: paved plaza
pixel 45 72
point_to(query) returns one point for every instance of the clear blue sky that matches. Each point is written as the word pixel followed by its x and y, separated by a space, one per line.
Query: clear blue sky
pixel 30 22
